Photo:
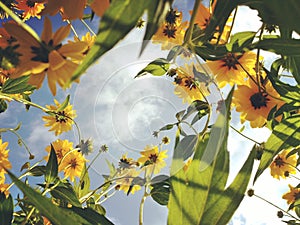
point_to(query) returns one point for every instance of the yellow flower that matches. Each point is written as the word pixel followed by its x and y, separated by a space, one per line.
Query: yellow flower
pixel 126 179
pixel 88 39
pixel 152 160
pixel 292 195
pixel 3 189
pixel 165 140
pixel 49 57
pixel 73 164
pixel 186 87
pixel 282 165
pixel 202 19
pixel 171 32
pixel 62 120
pixel 61 147
pixel 4 162
pixel 254 104
pixel 30 8
pixel 229 70
pixel 69 9
pixel 126 163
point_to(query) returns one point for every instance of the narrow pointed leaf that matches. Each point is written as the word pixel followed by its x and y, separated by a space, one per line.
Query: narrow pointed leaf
pixel 51 167
pixel 56 215
pixel 117 21
pixel 64 104
pixel 65 192
pixel 229 200
pixel 157 67
pixel 18 85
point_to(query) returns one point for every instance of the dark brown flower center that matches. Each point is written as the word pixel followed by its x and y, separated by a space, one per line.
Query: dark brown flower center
pixel 171 16
pixel 231 61
pixel 170 31
pixel 153 158
pixel 30 3
pixel 279 161
pixel 73 163
pixel 61 117
pixel 259 100
pixel 42 52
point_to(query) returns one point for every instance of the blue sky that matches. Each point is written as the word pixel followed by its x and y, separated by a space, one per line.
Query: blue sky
pixel 122 112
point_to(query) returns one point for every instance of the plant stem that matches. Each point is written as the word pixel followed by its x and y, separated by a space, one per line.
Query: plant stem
pixel 276 207
pixel 189 33
pixel 23 142
pixel 141 212
pixel 240 133
pixel 88 27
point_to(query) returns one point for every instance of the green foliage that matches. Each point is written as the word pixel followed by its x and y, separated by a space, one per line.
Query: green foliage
pixel 16 86
pixel 157 67
pixel 6 209
pixel 160 189
pixel 65 192
pixel 51 169
pixel 198 195
pixel 64 104
pixel 120 18
pixel 240 40
pixel 286 134
pixel 55 214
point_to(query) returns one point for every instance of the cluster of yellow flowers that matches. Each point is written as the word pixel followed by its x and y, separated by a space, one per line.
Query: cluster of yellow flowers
pixel 46 55
pixel 152 160
pixel 285 164
pixel 254 96
pixel 4 164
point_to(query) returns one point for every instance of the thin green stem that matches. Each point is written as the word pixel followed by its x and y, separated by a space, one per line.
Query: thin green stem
pixel 72 28
pixel 141 211
pixel 22 141
pixel 276 207
pixel 88 27
pixel 187 123
pixel 240 133
pixel 28 216
pixel 257 60
pixel 189 33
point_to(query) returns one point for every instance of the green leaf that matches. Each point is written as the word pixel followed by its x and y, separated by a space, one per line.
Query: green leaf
pixel 37 171
pixel 65 192
pixel 58 216
pixel 274 12
pixel 286 134
pixel 27 98
pixel 16 86
pixel 117 21
pixel 287 92
pixel 229 200
pixel 196 106
pixel 240 40
pixel 199 188
pixel 167 127
pixel 160 189
pixel 183 150
pixel 3 106
pixel 83 187
pixel 158 67
pixel 92 216
pixel 288 47
pixel 64 104
pixel 51 167
pixel 6 209
pixel 157 11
